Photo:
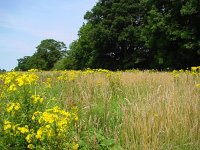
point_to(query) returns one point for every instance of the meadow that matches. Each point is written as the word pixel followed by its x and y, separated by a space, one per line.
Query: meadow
pixel 100 110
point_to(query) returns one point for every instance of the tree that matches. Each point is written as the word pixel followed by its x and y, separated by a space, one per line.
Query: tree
pixel 48 53
pixel 24 63
pixel 110 37
pixel 145 34
pixel 171 32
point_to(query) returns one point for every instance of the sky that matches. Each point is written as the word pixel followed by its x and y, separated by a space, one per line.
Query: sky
pixel 25 23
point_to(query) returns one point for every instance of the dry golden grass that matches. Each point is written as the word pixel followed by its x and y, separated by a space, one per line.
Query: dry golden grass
pixel 134 110
pixel 140 110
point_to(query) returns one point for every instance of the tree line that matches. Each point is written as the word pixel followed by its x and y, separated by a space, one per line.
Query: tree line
pixel 126 34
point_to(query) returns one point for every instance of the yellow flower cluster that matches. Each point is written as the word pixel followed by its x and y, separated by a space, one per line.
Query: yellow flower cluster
pixel 88 71
pixel 23 129
pixel 30 146
pixel 26 79
pixel 12 87
pixel 8 77
pixel 29 137
pixel 25 118
pixel 15 128
pixel 12 107
pixel 53 122
pixel 37 98
pixel 2 96
pixel 6 125
pixel 175 73
pixel 102 70
pixel 75 146
pixel 195 69
pixel 69 75
pixel 13 80
pixel 72 75
pixel 33 70
pixel 52 118
pixel 91 71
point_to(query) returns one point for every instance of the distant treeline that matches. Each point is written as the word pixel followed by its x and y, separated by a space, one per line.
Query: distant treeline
pixel 2 70
pixel 126 34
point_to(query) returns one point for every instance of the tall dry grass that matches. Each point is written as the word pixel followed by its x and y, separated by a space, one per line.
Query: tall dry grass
pixel 134 110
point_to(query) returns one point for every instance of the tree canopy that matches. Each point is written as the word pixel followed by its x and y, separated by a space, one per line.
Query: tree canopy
pixel 145 34
pixel 48 52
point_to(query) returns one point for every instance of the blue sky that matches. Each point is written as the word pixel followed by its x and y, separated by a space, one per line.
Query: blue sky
pixel 25 23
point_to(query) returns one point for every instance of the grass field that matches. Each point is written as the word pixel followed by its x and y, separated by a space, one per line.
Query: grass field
pixel 100 109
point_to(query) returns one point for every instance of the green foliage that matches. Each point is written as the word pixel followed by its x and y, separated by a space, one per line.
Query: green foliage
pixel 142 34
pixel 171 33
pixel 48 53
pixel 66 63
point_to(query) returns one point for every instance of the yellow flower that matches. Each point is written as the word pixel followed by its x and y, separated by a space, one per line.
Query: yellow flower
pixel 28 138
pixel 23 129
pixel 41 100
pixel 10 107
pixel 194 69
pixel 33 70
pixel 56 109
pixel 37 98
pixel 62 124
pixel 2 96
pixel 48 126
pixel 20 81
pixel 26 79
pixel 76 118
pixel 39 133
pixel 9 77
pixel 176 75
pixel 30 146
pixel 17 106
pixel 48 118
pixel 12 87
pixel 13 106
pixel 75 146
pixel 7 125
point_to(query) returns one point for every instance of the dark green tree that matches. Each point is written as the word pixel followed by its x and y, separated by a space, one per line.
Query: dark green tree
pixel 145 34
pixel 115 34
pixel 110 39
pixel 171 32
